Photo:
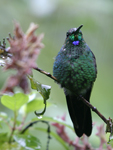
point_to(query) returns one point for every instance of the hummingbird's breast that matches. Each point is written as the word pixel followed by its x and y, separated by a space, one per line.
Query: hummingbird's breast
pixel 75 69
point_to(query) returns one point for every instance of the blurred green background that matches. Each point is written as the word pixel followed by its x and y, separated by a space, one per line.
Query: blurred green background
pixel 55 17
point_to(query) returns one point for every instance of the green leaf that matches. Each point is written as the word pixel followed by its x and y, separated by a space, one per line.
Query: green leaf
pixel 34 105
pixel 57 137
pixel 44 90
pixel 29 142
pixel 14 102
pixel 56 120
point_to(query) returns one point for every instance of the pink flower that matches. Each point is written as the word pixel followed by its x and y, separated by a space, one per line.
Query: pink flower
pixel 24 50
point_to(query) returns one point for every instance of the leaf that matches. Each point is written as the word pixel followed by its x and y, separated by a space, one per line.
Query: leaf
pixel 44 90
pixel 34 105
pixel 14 102
pixel 56 120
pixel 57 137
pixel 29 142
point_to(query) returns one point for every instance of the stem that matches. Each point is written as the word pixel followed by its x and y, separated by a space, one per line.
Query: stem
pixel 13 128
pixel 28 126
pixel 39 114
pixel 48 130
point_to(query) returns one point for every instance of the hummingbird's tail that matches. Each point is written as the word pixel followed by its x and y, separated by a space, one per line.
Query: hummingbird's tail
pixel 80 115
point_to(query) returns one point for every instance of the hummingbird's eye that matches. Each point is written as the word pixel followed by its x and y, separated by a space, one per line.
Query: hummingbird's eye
pixel 72 37
pixel 79 36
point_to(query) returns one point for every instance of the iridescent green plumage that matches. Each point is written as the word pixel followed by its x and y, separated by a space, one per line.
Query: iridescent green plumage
pixel 75 69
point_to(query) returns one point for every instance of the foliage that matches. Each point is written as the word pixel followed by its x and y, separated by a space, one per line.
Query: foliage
pixel 21 105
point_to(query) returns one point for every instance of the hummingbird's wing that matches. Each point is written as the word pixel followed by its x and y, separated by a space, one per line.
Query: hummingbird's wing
pixel 80 113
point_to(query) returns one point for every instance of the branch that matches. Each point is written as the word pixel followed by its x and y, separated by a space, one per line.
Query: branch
pixel 94 109
pixel 81 98
pixel 46 73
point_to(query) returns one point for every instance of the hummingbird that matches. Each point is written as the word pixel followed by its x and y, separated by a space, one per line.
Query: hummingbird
pixel 75 70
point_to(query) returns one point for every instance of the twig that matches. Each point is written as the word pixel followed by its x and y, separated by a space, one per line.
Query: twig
pixel 83 99
pixel 94 109
pixel 46 73
pixel 29 125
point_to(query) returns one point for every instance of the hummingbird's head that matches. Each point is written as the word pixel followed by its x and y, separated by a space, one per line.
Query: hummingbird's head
pixel 74 36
